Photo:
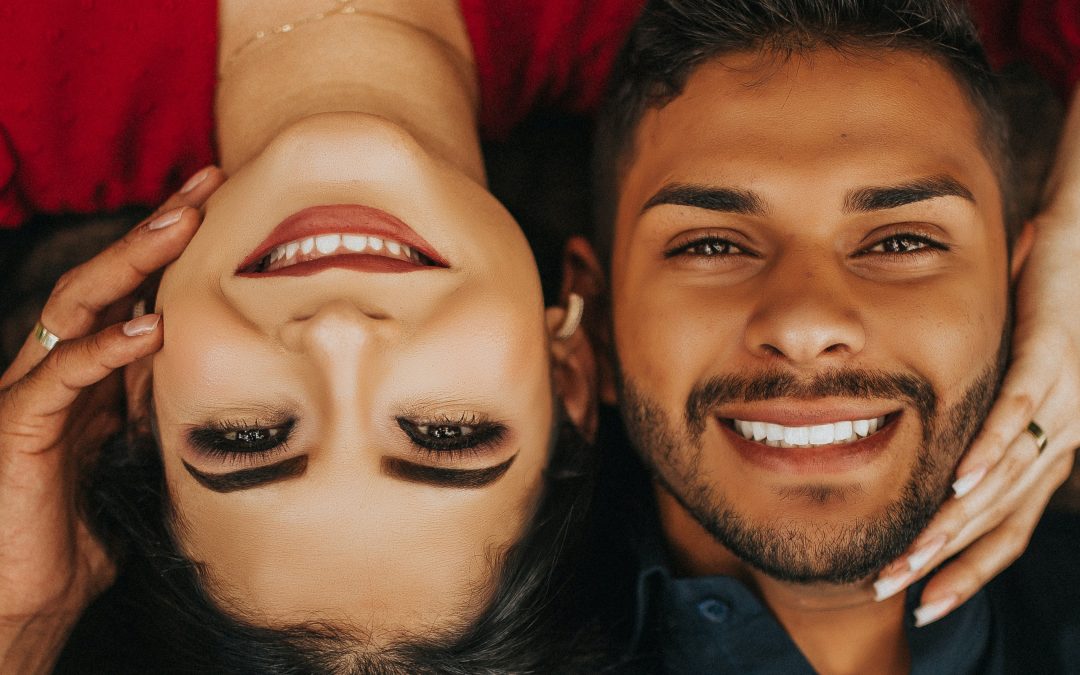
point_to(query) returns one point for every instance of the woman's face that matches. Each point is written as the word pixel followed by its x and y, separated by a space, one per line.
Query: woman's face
pixel 353 436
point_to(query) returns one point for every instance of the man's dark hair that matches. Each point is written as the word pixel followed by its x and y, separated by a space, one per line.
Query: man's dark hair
pixel 673 37
pixel 535 622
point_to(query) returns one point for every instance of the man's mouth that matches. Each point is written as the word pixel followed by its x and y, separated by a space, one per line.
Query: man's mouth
pixel 832 433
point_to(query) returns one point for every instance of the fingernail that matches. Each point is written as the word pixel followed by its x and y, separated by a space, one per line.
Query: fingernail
pixel 166 219
pixel 922 555
pixel 935 610
pixel 889 586
pixel 144 325
pixel 966 483
pixel 194 181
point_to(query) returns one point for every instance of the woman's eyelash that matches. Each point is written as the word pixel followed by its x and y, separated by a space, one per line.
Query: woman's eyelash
pixel 450 438
pixel 229 440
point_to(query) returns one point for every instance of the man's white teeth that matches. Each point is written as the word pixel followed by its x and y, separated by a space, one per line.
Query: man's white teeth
pixel 329 244
pixel 780 436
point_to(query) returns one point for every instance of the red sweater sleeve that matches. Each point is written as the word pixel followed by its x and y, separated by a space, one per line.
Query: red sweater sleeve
pixel 102 104
pixel 543 53
pixel 1042 33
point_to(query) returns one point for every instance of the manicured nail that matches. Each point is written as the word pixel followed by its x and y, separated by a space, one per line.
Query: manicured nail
pixel 922 555
pixel 966 483
pixel 166 219
pixel 144 325
pixel 889 586
pixel 934 611
pixel 194 181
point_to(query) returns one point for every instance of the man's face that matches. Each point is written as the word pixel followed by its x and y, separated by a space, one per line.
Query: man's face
pixel 809 298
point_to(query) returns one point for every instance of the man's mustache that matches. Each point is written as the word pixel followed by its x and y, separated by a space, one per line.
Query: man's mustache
pixel 849 383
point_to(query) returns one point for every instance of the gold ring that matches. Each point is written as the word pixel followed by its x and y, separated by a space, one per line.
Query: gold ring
pixel 1038 434
pixel 45 337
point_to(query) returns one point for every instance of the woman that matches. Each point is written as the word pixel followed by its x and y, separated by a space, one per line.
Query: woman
pixel 364 416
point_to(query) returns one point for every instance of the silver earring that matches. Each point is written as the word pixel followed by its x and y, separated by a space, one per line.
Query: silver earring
pixel 575 307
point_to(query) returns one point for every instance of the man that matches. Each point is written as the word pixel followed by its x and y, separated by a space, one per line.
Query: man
pixel 810 243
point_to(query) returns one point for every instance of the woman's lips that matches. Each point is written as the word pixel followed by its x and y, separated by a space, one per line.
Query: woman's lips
pixel 342 235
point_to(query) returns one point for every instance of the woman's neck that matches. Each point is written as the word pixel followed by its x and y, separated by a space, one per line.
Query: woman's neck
pixel 407 62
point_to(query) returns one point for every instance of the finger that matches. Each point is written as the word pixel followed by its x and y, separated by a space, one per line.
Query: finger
pixel 1021 476
pixel 32 411
pixel 955 583
pixel 1026 387
pixel 195 191
pixel 81 294
pixel 118 270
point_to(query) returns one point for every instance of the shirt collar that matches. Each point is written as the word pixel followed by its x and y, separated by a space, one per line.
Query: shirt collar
pixel 718 623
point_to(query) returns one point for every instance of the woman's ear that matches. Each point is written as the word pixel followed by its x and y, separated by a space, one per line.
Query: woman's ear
pixel 573 364
pixel 584 275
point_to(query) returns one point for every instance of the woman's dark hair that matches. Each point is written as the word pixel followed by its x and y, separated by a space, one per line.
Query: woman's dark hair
pixel 532 625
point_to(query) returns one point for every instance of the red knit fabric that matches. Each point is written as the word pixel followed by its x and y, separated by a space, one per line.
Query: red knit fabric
pixel 106 104
pixel 102 104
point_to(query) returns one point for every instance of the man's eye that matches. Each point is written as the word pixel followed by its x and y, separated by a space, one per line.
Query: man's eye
pixel 451 436
pixel 905 243
pixel 706 248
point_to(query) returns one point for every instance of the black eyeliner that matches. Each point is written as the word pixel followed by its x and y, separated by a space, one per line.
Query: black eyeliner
pixel 245 479
pixel 465 479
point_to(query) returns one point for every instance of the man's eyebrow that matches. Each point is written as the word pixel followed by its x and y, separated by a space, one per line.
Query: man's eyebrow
pixel 713 198
pixel 463 479
pixel 245 479
pixel 892 196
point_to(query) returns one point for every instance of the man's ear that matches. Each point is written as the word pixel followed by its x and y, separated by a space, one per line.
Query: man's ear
pixel 583 274
pixel 1020 250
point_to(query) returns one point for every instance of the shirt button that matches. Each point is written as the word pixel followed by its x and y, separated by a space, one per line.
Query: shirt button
pixel 714 610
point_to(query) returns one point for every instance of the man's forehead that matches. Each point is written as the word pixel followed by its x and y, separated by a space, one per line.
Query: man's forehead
pixel 849 118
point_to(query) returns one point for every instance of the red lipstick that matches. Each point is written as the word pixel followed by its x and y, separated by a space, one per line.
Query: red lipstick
pixel 345 219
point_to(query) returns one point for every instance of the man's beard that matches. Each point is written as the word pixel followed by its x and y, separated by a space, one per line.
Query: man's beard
pixel 791 550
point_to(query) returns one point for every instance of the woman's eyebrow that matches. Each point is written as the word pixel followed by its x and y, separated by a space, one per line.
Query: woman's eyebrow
pixel 245 479
pixel 464 479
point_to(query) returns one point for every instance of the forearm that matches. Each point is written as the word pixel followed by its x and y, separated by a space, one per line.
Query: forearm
pixel 1061 198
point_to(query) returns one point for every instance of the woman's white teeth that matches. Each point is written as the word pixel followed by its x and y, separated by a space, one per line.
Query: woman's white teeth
pixel 354 242
pixel 781 436
pixel 328 244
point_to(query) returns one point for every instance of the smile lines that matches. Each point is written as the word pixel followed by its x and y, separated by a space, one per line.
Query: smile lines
pixel 326 245
pixel 779 436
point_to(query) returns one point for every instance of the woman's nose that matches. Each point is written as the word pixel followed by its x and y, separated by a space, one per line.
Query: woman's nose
pixel 335 329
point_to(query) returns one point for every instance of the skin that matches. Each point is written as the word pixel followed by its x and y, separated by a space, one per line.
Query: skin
pixel 347 353
pixel 806 288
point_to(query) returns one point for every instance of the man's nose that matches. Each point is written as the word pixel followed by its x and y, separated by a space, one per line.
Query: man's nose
pixel 806 316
